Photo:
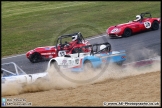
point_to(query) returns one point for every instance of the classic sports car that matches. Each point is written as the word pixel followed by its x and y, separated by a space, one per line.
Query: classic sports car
pixel 99 55
pixel 62 47
pixel 143 22
pixel 10 72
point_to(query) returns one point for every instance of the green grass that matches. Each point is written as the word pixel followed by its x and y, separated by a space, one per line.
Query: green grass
pixel 26 25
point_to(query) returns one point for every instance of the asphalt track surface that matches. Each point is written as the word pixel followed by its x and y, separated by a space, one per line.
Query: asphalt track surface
pixel 138 47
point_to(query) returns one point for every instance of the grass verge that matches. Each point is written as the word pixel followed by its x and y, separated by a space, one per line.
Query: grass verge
pixel 26 25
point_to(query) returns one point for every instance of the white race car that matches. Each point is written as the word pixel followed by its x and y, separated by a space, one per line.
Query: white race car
pixel 10 72
pixel 98 55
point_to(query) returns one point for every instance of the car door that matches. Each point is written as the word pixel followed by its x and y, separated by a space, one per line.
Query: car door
pixel 136 26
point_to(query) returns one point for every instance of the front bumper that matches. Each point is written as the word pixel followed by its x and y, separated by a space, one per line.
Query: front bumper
pixel 113 35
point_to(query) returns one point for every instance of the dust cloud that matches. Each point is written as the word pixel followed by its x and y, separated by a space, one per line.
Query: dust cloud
pixel 11 89
pixel 68 79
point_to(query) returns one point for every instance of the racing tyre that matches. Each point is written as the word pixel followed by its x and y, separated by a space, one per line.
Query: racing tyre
pixel 35 57
pixel 155 25
pixel 88 66
pixel 127 32
pixel 120 63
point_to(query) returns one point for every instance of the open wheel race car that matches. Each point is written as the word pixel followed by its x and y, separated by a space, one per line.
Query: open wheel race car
pixel 143 22
pixel 62 47
pixel 98 55
pixel 12 73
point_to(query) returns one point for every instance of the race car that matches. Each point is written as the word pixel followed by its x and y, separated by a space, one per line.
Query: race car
pixel 12 73
pixel 62 47
pixel 99 55
pixel 143 22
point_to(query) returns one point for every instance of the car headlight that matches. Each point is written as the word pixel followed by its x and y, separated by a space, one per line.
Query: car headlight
pixel 158 19
pixel 31 51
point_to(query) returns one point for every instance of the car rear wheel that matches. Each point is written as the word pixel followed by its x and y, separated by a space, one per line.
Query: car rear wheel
pixel 35 57
pixel 127 32
pixel 155 25
pixel 120 63
pixel 88 66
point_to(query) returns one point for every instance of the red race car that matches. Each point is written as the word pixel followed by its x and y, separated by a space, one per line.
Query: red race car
pixel 143 22
pixel 62 47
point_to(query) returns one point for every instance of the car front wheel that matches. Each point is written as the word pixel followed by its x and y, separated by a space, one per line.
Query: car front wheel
pixel 35 57
pixel 127 32
pixel 88 66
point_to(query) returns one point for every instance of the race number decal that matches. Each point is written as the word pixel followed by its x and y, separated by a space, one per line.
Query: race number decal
pixel 64 62
pixel 114 30
pixel 61 53
pixel 147 24
pixel 77 61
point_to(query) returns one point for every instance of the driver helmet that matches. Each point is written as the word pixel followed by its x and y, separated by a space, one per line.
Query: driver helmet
pixel 74 37
pixel 102 47
pixel 138 17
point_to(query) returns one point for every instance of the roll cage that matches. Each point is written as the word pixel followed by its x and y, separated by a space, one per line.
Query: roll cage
pixel 59 40
pixel 11 69
pixel 145 15
pixel 95 48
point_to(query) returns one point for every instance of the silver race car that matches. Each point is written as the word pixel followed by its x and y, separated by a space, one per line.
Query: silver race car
pixel 11 73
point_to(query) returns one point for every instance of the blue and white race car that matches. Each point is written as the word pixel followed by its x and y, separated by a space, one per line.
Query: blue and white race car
pixel 98 55
pixel 12 73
